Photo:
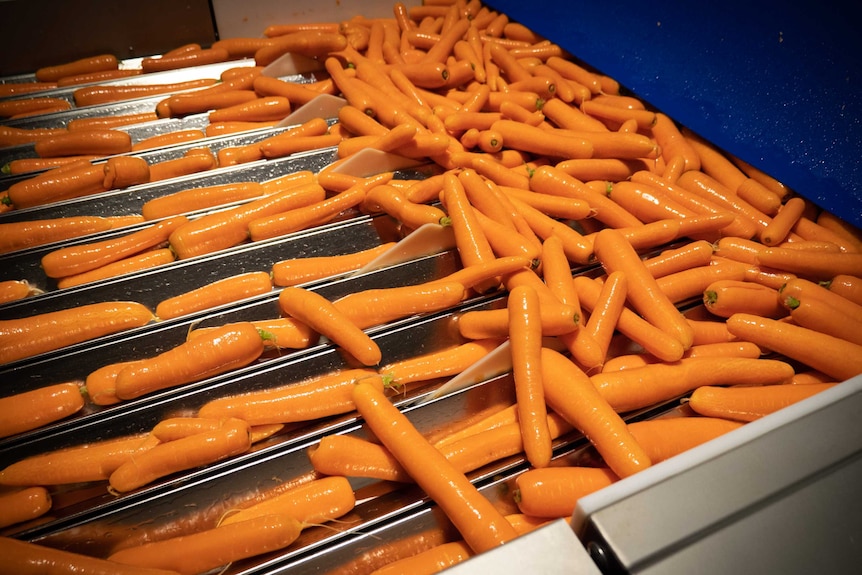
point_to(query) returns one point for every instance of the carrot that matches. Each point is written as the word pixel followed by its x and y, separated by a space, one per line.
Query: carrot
pixel 779 227
pixel 481 324
pixel 100 142
pixel 295 93
pixel 665 437
pixel 818 315
pixel 49 331
pixel 313 502
pixel 105 94
pixel 26 165
pixel 281 29
pixel 376 306
pixel 186 59
pixel 506 241
pixel 101 384
pixel 200 101
pixel 297 271
pixel 640 387
pixel 227 290
pixel 429 561
pixel 719 348
pixel 227 228
pixel 570 392
pixel 648 235
pixel 808 229
pixel 8 89
pixel 23 107
pixel 314 398
pixel 693 254
pixel 30 410
pixel 481 525
pixel 193 199
pixel 330 321
pixel 815 265
pixel 97 77
pixel 16 236
pixel 190 163
pixel 438 364
pixel 164 459
pixel 392 201
pixel 543 142
pixel 605 315
pixel 113 121
pixel 294 141
pixel 234 346
pixel 71 260
pixel 80 66
pixel 615 253
pixel 842 228
pixel 23 505
pixel 261 109
pixel 726 297
pixel 26 558
pixel 847 286
pixel 125 171
pixel 281 333
pixel 309 43
pixel 691 283
pixel 747 403
pixel 14 290
pixel 553 492
pixel 169 139
pixel 697 182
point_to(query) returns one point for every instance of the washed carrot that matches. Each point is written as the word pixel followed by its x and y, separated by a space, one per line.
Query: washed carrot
pixel 481 525
pixel 847 286
pixel 17 88
pixel 189 163
pixel 747 403
pixel 164 459
pixel 644 203
pixel 125 171
pixel 537 141
pixel 672 260
pixel 108 122
pixel 228 228
pixel 815 265
pixel 672 142
pixel 30 410
pixel 273 30
pixel 100 385
pixel 806 228
pixel 12 136
pixel 101 142
pixel 506 241
pixel 16 236
pixel 71 260
pixel 309 43
pixel 646 236
pixel 261 109
pixel 78 464
pixel 555 206
pixel 392 201
pixel 26 165
pixel 214 129
pixel 105 94
pixel 640 387
pixel 615 253
pixel 817 314
pixel 605 315
pixel 174 428
pixel 79 66
pixel 691 283
pixel 428 561
pixel 571 393
pixel 665 437
pixel 282 332
pixel 330 321
pixel 295 93
pixel 187 59
pixel 25 337
pixel 478 275
pixel 482 324
pixel 376 306
pixel 294 141
pixel 313 398
pixel 23 505
pixel 650 337
pixel 14 290
pixel 720 348
pixel 214 294
pixel 447 362
pixel 779 227
pixel 26 558
pixel 169 139
pixel 840 227
pixel 199 198
pixel 575 246
pixel 96 77
pixel 23 107
pixel 553 492
pixel 201 101
pixel 707 331
pixel 297 271
pixel 726 297
pixel 232 347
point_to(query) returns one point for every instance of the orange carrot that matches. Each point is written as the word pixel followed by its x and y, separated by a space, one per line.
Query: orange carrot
pixel 691 283
pixel 100 142
pixel 97 77
pixel 14 290
pixel 720 348
pixel 16 236
pixel 135 263
pixel 553 492
pixel 314 398
pixel 309 43
pixel 481 324
pixel 673 143
pixel 26 165
pixel 605 315
pixel 234 346
pixel 481 525
pixel 105 94
pixel 30 410
pixel 169 139
pixel 640 387
pixel 70 260
pixel 227 290
pixel 200 101
pixel 812 264
pixel 76 179
pixel 49 331
pixel 390 200
pixel 188 59
pixel 693 254
pixel 818 315
pixel 297 271
pixel 779 227
pixel 444 363
pixel 193 199
pixel 23 505
pixel 330 321
pixel 107 122
pixel 848 287
pixel 726 297
pixel 665 437
pixel 189 163
pixel 261 109
pixel 747 403
pixel 376 306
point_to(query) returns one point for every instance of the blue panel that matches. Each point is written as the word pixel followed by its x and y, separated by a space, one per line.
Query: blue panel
pixel 776 84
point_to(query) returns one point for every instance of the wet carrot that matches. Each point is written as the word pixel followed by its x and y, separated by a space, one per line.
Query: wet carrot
pixel 26 165
pixel 12 136
pixel 217 293
pixel 187 59
pixel 108 122
pixel 25 558
pixel 136 263
pixel 228 228
pixel 314 398
pixel 193 199
pixel 232 347
pixel 847 286
pixel 78 464
pixel 543 142
pixel 71 260
pixel 444 363
pixel 640 387
pixel 169 139
pixel 842 228
pixel 190 163
pixel 125 171
pixel 815 265
pixel 313 502
pixel 200 101
pixel 261 109
pixel 330 321
pixel 615 253
pixel 96 77
pixel 14 290
pixel 818 315
pixel 673 143
pixel 105 94
pixel 665 437
pixel 79 66
pixel 17 88
pixel 721 348
pixel 296 93
pixel 294 141
pixel 553 492
pixel 23 505
pixel 779 227
pixel 605 315
pixel 30 410
pixel 32 106
pixel 747 403
pixel 49 331
pixel 726 297
pixel 481 525
pixel 672 260
pixel 697 182
pixel 16 236
pixel 283 332
pixel 297 271
pixel 101 383
pixel 392 201
pixel 691 283
pixel 309 43
pixel 163 459
pixel 376 306
pixel 100 142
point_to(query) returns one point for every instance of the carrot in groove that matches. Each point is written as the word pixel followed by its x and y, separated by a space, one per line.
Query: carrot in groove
pixel 19 108
pixel 76 179
pixel 721 348
pixel 482 324
pixel 481 525
pixel 281 29
pixel 16 236
pixel 615 253
pixel 392 201
pixel 188 59
pixel 132 264
pixel 314 398
pixel 100 142
pixel 665 437
pixel 308 43
pixel 444 363
pixel 71 260
pixel 27 165
pixel 376 306
pixel 748 403
pixel 105 94
pixel 193 199
pixel 349 456
pixel 640 387
pixel 241 46
pixel 169 139
pixel 297 271
pixel 107 122
pixel 14 290
pixel 217 293
pixel 571 393
pixel 477 275
pixel 17 88
pixel 23 505
pixel 189 163
pixel 605 315
pixel 230 227
pixel 26 337
pixel 553 492
pixel 100 384
pixel 25 558
pixel 259 109
pixel 428 561
pixel 30 410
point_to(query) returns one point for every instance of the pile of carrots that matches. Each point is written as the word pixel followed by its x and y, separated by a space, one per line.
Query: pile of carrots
pixel 545 167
